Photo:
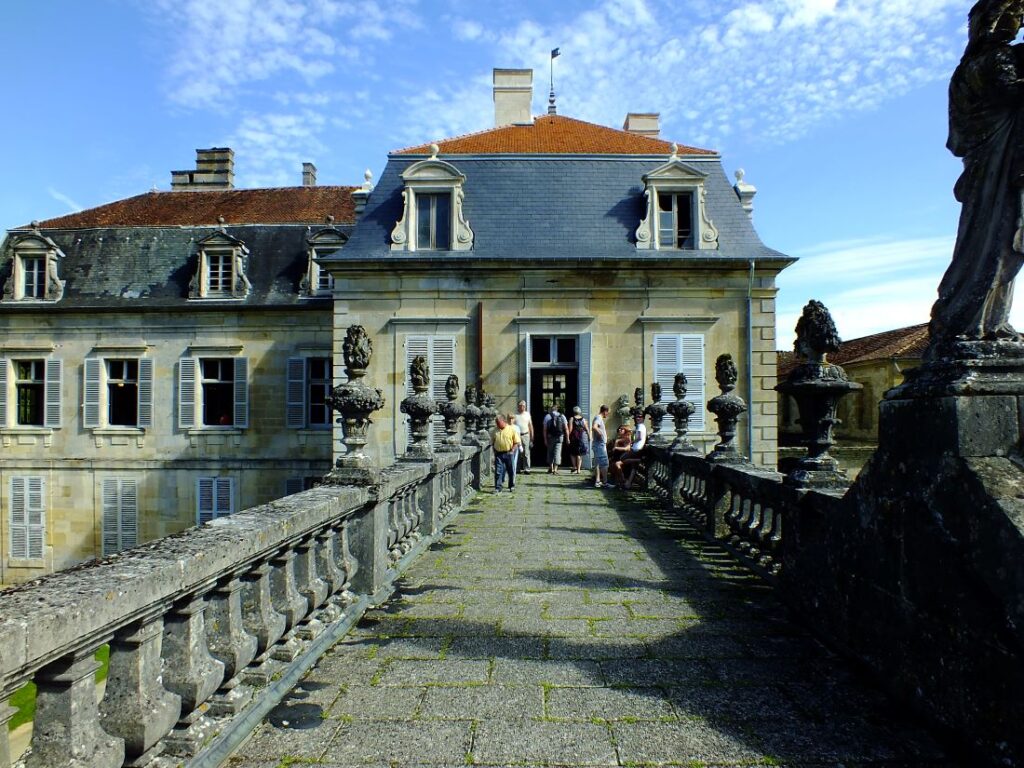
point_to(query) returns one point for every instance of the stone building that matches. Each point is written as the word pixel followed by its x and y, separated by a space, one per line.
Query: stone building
pixel 163 361
pixel 556 259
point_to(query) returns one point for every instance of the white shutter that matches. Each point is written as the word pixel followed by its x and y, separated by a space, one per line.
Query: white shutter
pixel 120 515
pixel 692 364
pixel 18 520
pixel 585 342
pixel 187 392
pixel 241 392
pixel 414 346
pixel 224 496
pixel 295 393
pixel 35 513
pixel 4 392
pixel 51 416
pixel 294 485
pixel 145 406
pixel 204 500
pixel 91 392
pixel 442 365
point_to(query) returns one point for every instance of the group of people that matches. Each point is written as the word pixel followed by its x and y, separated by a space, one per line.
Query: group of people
pixel 515 435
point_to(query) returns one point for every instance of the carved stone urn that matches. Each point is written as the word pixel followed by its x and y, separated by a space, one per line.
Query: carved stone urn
pixel 656 412
pixel 354 401
pixel 638 403
pixel 817 386
pixel 419 407
pixel 452 410
pixel 727 408
pixel 486 404
pixel 472 416
pixel 681 410
pixel 622 408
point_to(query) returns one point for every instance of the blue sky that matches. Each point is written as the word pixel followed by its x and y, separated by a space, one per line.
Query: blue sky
pixel 836 109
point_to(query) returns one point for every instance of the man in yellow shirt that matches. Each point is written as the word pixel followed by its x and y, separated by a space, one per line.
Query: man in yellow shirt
pixel 506 438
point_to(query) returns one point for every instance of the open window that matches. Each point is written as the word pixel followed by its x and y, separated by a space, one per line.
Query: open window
pixel 676 216
pixel 432 217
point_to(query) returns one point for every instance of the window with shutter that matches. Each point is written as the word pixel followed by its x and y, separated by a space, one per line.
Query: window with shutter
pixel 215 497
pixel 120 515
pixel 145 413
pixel 187 369
pixel 675 353
pixel 295 393
pixel 53 394
pixel 27 503
pixel 241 392
pixel 440 354
pixel 4 392
pixel 91 392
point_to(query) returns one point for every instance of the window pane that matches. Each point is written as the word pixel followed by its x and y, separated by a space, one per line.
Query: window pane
pixel 684 218
pixel 123 392
pixel 541 352
pixel 218 391
pixel 35 278
pixel 567 350
pixel 666 226
pixel 29 385
pixel 442 222
pixel 424 205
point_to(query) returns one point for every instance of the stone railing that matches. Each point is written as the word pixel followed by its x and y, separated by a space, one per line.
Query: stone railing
pixel 210 628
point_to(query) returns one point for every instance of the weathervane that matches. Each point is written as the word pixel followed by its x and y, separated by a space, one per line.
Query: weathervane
pixel 555 53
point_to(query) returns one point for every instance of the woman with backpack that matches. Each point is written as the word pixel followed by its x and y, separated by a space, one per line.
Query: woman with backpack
pixel 579 439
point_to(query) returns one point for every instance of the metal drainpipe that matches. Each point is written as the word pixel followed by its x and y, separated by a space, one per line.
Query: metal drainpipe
pixel 750 361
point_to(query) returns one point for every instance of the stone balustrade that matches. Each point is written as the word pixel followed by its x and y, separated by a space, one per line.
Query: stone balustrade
pixel 209 628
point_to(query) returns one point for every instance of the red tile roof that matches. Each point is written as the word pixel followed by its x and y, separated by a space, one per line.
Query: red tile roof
pixel 279 205
pixel 554 135
pixel 909 342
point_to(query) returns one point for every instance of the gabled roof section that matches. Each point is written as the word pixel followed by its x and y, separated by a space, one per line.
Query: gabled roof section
pixel 275 205
pixel 554 135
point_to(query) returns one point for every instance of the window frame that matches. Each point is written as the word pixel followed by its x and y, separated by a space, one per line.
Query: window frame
pixel 299 384
pixel 220 245
pixel 28 553
pixel 675 195
pixel 432 177
pixel 689 348
pixel 52 392
pixel 31 247
pixel 673 178
pixel 217 493
pixel 96 401
pixel 318 282
pixel 191 394
pixel 421 196
pixel 119 502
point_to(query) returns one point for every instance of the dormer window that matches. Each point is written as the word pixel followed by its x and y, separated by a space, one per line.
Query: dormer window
pixel 34 271
pixel 323 244
pixel 221 267
pixel 432 217
pixel 676 216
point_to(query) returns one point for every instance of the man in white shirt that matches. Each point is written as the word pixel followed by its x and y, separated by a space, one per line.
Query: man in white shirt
pixel 634 456
pixel 524 421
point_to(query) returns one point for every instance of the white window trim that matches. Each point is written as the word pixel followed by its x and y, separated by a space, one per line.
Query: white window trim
pixel 27 555
pixel 95 397
pixel 221 244
pixel 35 246
pixel 432 176
pixel 53 393
pixel 696 389
pixel 676 176
pixel 415 344
pixel 190 395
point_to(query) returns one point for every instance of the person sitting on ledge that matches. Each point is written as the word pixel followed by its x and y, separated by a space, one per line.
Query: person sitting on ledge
pixel 633 457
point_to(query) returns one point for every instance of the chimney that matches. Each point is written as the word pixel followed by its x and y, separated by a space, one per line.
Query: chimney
pixel 745 192
pixel 642 123
pixel 215 169
pixel 308 175
pixel 513 97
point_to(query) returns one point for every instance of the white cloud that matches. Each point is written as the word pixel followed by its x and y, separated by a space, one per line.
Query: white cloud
pixel 60 197
pixel 270 149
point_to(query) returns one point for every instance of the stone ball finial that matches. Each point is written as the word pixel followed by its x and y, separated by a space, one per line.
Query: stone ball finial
pixel 674 149
pixel 35 224
pixel 329 218
pixel 739 173
pixel 221 220
pixel 368 176
pixel 816 333
pixel 434 149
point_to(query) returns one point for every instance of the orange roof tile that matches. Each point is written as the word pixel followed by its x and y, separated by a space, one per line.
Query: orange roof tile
pixel 554 135
pixel 909 342
pixel 279 205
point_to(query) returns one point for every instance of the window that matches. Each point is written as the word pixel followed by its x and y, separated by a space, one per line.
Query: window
pixel 432 216
pixel 299 484
pixel 213 392
pixel 30 393
pixel 556 350
pixel 221 269
pixel 324 279
pixel 120 515
pixel 117 392
pixel 682 353
pixel 220 273
pixel 440 354
pixel 215 497
pixel 323 244
pixel 675 220
pixel 309 384
pixel 27 506
pixel 34 273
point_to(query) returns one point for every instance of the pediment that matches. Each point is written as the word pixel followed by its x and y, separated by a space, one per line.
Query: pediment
pixel 35 241
pixel 223 240
pixel 327 237
pixel 433 170
pixel 676 170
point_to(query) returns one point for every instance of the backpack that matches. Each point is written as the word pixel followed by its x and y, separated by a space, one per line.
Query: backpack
pixel 556 426
pixel 578 432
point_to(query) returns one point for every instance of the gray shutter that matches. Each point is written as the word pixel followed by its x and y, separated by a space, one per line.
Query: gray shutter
pixel 241 392
pixel 35 512
pixel 525 370
pixel 294 485
pixel 585 341
pixel 295 393
pixel 442 365
pixel 692 364
pixel 51 416
pixel 204 500
pixel 111 539
pixel 4 392
pixel 18 519
pixel 187 392
pixel 145 407
pixel 91 392
pixel 129 514
pixel 414 346
pixel 224 496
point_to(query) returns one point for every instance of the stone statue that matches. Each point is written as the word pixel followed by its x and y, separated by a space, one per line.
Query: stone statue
pixel 816 333
pixel 451 387
pixel 419 374
pixel 357 348
pixel 726 373
pixel 986 129
pixel 655 392
pixel 727 407
pixel 679 386
pixel 622 407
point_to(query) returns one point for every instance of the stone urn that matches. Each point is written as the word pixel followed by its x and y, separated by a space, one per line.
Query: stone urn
pixel 486 404
pixel 452 410
pixel 656 412
pixel 354 401
pixel 472 416
pixel 681 410
pixel 727 408
pixel 817 386
pixel 419 407
pixel 638 403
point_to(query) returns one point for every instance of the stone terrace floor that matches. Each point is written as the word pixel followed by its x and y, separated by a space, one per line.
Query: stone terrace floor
pixel 565 625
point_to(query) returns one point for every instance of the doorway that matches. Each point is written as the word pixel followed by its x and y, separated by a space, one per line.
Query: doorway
pixel 554 378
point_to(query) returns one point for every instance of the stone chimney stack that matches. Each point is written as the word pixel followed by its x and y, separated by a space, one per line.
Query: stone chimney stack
pixel 642 123
pixel 513 97
pixel 215 169
pixel 308 175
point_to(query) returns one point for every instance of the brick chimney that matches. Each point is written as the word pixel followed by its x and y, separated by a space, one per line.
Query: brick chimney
pixel 308 175
pixel 513 97
pixel 642 123
pixel 215 169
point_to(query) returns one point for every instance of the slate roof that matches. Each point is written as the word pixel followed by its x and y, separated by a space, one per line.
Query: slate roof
pixel 902 343
pixel 555 208
pixel 554 135
pixel 277 205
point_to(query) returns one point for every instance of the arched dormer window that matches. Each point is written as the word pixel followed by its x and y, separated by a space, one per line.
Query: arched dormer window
pixel 325 242
pixel 220 272
pixel 35 274
pixel 432 218
pixel 676 217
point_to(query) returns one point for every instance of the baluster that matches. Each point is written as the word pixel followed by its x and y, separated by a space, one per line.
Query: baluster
pixel 327 566
pixel 136 706
pixel 6 713
pixel 66 731
pixel 287 601
pixel 753 526
pixel 190 672
pixel 349 563
pixel 261 621
pixel 310 586
pixel 230 644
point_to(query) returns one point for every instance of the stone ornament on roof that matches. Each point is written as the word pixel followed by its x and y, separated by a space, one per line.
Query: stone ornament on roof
pixel 35 271
pixel 220 268
pixel 668 187
pixel 425 183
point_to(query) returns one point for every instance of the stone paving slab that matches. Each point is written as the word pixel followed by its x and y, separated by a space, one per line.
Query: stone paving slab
pixel 567 626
